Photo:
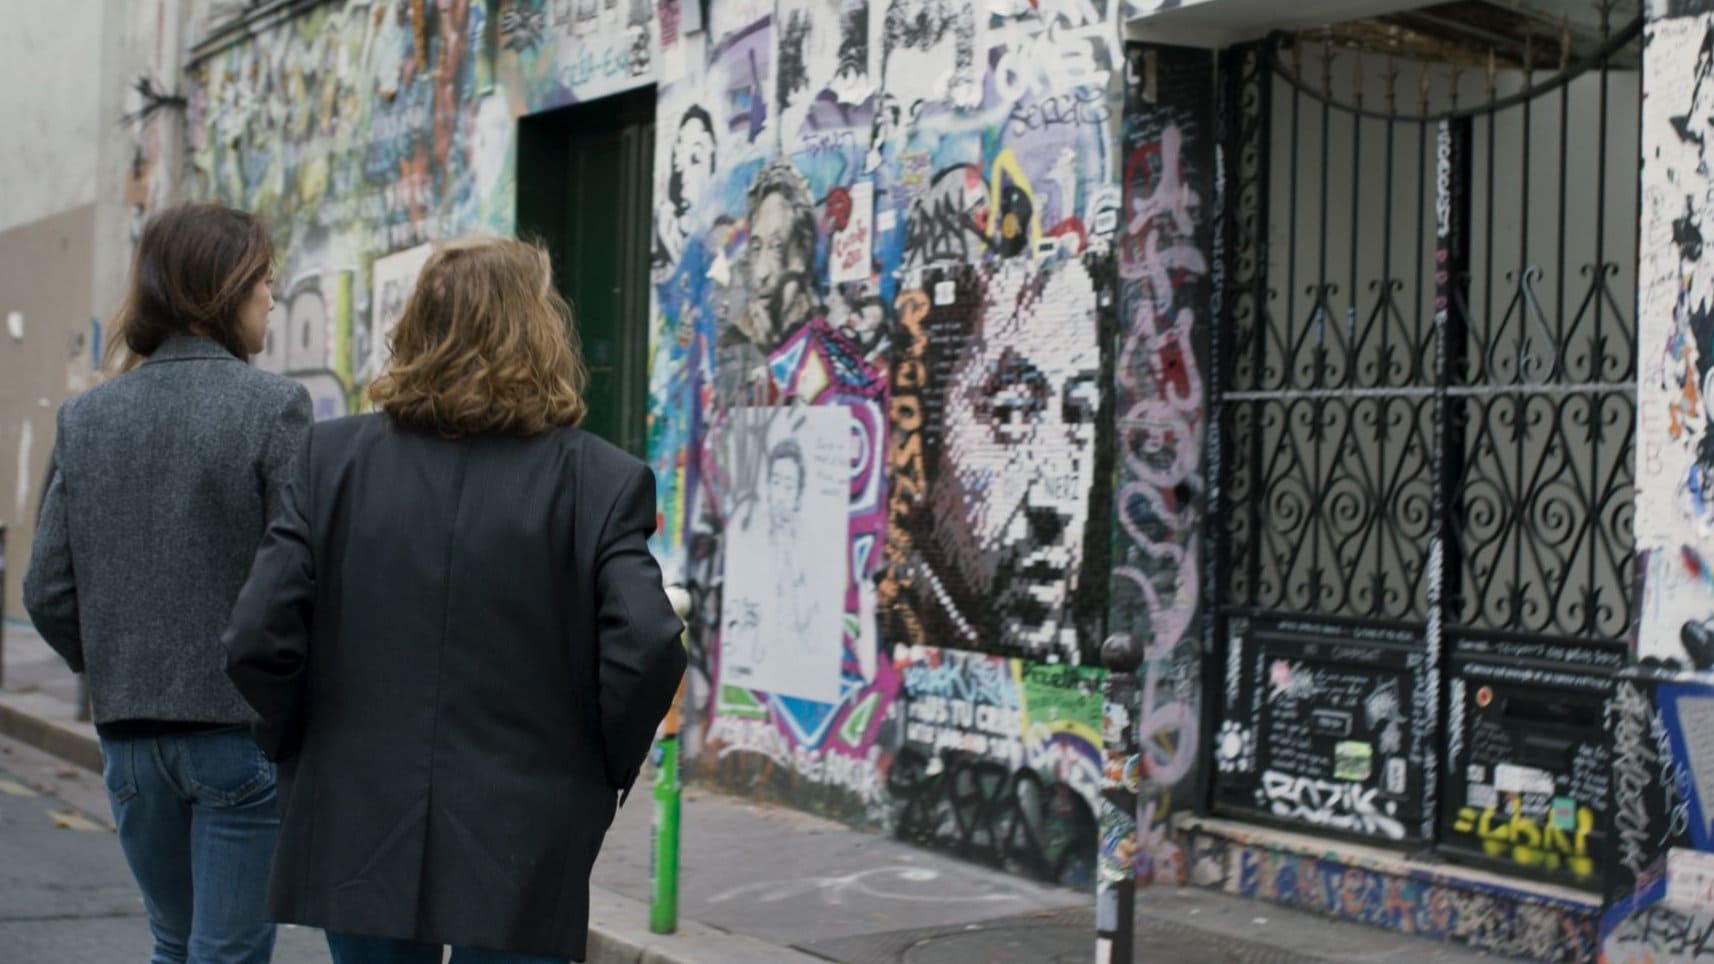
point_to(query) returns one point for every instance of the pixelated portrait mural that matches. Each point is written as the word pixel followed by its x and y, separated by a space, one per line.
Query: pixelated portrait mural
pixel 1004 371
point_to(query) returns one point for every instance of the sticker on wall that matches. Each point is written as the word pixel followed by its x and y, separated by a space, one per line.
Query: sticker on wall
pixel 1330 723
pixel 1690 879
pixel 849 258
pixel 1397 772
pixel 1235 749
pixel 1562 813
pixel 931 45
pixel 1481 796
pixel 1510 778
pixel 1133 775
pixel 1353 761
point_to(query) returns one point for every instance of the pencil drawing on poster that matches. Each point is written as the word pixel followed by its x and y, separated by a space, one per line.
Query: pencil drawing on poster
pixel 785 562
pixel 395 276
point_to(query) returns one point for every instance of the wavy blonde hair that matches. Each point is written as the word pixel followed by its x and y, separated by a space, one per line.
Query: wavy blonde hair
pixel 485 345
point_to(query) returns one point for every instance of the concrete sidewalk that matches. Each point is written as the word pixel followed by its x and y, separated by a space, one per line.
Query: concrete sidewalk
pixel 766 884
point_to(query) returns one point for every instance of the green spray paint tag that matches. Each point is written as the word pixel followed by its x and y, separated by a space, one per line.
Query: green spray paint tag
pixel 1353 761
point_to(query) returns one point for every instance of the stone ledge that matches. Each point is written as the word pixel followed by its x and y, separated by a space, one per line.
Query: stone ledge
pixel 1477 908
pixel 29 718
pixel 1383 861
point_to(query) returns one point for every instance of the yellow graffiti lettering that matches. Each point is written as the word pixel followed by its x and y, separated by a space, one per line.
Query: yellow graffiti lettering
pixel 1466 821
pixel 907 417
pixel 911 373
pixel 1527 842
pixel 1007 166
pixel 1495 840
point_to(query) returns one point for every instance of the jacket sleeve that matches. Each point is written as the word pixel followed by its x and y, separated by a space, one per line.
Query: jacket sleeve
pixel 284 437
pixel 50 583
pixel 641 656
pixel 267 639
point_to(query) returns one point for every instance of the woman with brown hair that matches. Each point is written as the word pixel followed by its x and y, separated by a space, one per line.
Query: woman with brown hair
pixel 456 637
pixel 164 478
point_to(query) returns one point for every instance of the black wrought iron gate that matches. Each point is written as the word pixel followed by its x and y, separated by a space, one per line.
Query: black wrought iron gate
pixel 1424 417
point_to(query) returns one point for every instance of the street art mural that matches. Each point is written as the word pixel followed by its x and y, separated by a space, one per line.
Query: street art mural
pixel 1000 761
pixel 365 129
pixel 996 463
pixel 884 339
pixel 308 337
pixel 887 211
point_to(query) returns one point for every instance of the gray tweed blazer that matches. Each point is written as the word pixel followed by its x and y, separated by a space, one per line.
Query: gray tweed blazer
pixel 163 484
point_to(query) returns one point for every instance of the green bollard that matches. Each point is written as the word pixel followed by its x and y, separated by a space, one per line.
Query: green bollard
pixel 663 867
pixel 663 905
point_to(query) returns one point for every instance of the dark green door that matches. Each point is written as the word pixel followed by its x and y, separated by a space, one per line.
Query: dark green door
pixel 584 179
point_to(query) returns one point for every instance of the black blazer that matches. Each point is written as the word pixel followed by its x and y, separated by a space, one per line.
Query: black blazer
pixel 460 651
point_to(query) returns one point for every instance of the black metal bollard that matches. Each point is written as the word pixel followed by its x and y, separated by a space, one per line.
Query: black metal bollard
pixel 1121 779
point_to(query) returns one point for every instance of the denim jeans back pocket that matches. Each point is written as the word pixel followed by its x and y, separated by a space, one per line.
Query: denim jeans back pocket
pixel 225 768
pixel 118 771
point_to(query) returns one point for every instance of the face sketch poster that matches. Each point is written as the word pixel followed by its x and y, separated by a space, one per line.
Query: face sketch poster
pixel 395 277
pixel 784 602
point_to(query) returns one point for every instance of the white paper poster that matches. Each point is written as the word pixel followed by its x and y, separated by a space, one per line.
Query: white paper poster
pixel 783 613
pixel 849 259
pixel 395 276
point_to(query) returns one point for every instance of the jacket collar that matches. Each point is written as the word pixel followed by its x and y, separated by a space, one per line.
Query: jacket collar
pixel 189 347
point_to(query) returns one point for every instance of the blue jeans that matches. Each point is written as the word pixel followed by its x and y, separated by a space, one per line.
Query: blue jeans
pixel 198 817
pixel 353 949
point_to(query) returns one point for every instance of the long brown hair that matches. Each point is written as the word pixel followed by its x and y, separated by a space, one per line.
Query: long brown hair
pixel 485 344
pixel 196 265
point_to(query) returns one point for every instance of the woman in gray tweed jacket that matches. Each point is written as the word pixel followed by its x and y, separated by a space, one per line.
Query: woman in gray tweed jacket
pixel 164 480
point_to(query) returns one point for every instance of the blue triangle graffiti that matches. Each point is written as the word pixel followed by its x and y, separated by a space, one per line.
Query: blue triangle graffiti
pixel 786 362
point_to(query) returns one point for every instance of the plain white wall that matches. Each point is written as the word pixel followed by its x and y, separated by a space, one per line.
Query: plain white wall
pixel 51 74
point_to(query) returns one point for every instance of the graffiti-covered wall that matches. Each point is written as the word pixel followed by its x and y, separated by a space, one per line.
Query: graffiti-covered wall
pixel 364 129
pixel 884 366
pixel 885 338
pixel 1166 308
pixel 1675 458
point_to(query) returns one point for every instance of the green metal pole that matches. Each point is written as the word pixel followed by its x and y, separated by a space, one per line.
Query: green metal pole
pixel 663 906
pixel 663 903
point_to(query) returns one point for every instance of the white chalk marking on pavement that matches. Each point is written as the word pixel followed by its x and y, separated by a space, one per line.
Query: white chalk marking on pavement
pixel 13 788
pixel 891 882
pixel 72 820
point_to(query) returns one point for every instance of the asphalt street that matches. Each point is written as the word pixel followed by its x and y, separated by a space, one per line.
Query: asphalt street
pixel 65 892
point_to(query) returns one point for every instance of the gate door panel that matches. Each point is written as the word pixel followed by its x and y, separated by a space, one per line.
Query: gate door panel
pixel 1422 425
